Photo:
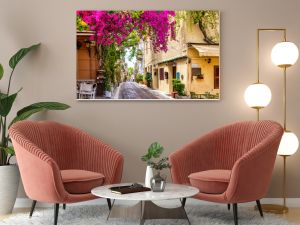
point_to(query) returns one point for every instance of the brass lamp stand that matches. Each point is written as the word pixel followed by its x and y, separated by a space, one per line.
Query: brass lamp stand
pixel 278 209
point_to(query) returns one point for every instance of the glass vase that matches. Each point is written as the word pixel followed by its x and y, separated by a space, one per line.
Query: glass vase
pixel 158 182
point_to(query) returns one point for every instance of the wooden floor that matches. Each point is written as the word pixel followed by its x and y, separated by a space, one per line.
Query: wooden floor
pixel 293 215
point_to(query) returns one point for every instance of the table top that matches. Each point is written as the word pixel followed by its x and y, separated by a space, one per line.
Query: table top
pixel 172 191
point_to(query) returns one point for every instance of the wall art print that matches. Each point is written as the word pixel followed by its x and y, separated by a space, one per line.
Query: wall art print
pixel 148 55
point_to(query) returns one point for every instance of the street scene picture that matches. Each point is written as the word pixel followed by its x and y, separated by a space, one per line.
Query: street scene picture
pixel 148 55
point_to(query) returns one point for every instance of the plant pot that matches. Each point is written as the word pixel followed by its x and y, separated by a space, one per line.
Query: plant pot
pixel 182 97
pixel 9 183
pixel 148 176
pixel 107 94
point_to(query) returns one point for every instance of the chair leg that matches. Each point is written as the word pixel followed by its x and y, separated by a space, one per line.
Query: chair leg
pixel 108 203
pixel 259 208
pixel 183 202
pixel 64 206
pixel 56 209
pixel 228 206
pixel 235 213
pixel 32 208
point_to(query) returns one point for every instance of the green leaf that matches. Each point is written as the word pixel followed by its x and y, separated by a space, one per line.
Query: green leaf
pixel 44 105
pixel 16 58
pixel 1 71
pixel 155 150
pixel 27 111
pixel 145 158
pixel 6 103
pixel 9 150
pixel 2 95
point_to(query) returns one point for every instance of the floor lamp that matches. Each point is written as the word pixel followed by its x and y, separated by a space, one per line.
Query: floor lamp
pixel 283 55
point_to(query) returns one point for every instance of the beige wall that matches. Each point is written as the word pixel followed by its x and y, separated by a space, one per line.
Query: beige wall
pixel 50 74
pixel 165 84
pixel 207 69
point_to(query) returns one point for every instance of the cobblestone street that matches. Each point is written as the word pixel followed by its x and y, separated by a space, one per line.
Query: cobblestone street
pixel 133 90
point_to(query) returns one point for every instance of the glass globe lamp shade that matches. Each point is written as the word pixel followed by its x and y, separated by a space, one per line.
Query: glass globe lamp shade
pixel 257 95
pixel 289 144
pixel 284 54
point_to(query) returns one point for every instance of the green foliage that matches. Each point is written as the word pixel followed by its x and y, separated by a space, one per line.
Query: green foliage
pixel 6 104
pixel 139 54
pixel 130 71
pixel 16 58
pixel 9 150
pixel 154 151
pixel 1 71
pixel 209 95
pixel 207 17
pixel 148 79
pixel 81 25
pixel 118 73
pixel 131 43
pixel 136 13
pixel 27 111
pixel 178 87
pixel 139 78
pixel 163 163
pixel 107 84
pixel 207 20
pixel 110 56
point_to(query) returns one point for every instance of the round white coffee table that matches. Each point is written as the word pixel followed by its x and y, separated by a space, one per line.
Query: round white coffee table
pixel 145 209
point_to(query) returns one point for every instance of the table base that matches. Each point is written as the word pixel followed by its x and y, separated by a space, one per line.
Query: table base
pixel 147 210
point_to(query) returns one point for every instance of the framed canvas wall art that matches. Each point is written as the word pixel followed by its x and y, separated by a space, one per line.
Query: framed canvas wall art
pixel 148 55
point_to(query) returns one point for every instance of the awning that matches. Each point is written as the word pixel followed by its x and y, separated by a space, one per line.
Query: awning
pixel 172 59
pixel 208 50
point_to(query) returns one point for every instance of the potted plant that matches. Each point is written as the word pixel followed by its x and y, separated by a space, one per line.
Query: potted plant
pixel 200 76
pixel 157 183
pixel 139 78
pixel 179 89
pixel 107 87
pixel 9 174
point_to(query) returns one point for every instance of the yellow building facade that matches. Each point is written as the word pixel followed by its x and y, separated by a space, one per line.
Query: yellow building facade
pixel 189 58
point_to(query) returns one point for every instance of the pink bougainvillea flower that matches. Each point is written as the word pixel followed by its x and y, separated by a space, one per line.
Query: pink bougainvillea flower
pixel 113 27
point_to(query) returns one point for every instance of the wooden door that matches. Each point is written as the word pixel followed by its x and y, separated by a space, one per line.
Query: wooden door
pixel 216 77
pixel 87 62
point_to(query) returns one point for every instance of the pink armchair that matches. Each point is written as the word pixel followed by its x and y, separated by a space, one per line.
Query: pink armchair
pixel 60 164
pixel 231 165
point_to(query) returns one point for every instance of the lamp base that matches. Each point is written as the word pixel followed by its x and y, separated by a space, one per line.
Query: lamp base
pixel 276 209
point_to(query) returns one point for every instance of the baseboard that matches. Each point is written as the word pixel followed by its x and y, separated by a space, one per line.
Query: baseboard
pixel 291 202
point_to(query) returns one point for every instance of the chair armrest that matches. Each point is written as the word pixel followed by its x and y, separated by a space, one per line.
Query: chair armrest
pixel 191 158
pixel 251 174
pixel 40 174
pixel 99 157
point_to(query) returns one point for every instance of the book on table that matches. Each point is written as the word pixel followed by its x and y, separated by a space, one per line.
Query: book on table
pixel 126 189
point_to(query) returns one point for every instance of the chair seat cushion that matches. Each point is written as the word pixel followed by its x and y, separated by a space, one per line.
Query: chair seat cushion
pixel 81 181
pixel 211 181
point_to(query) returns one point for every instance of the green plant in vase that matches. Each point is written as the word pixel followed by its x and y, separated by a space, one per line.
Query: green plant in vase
pixel 9 174
pixel 157 182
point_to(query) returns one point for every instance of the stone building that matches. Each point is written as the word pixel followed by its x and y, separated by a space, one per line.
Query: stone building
pixel 189 58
